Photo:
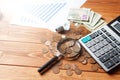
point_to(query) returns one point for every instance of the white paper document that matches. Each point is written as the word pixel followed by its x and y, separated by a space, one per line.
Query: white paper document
pixel 48 14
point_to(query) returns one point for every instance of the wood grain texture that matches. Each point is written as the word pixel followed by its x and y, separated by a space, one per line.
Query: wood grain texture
pixel 21 50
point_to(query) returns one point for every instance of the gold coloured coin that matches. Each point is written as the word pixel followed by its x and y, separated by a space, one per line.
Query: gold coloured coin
pixel 69 72
pixel 45 50
pixel 78 71
pixel 85 61
pixel 67 66
pixel 68 50
pixel 81 59
pixel 59 63
pixel 70 43
pixel 56 69
pixel 92 61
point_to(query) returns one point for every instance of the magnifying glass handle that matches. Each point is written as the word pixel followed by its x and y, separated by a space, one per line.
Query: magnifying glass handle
pixel 48 65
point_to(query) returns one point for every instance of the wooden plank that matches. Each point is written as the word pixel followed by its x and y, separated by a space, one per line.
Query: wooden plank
pixel 29 73
pixel 21 51
pixel 23 34
pixel 29 54
pixel 109 9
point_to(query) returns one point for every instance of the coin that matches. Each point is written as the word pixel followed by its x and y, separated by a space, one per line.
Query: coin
pixel 68 50
pixel 42 40
pixel 72 58
pixel 72 54
pixel 69 72
pixel 73 66
pixel 70 43
pixel 87 55
pixel 81 59
pixel 48 43
pixel 59 63
pixel 78 71
pixel 94 68
pixel 77 47
pixel 92 61
pixel 85 61
pixel 63 48
pixel 45 50
pixel 56 37
pixel 55 69
pixel 67 66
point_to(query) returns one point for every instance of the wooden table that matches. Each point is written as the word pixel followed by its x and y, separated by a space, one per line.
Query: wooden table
pixel 20 50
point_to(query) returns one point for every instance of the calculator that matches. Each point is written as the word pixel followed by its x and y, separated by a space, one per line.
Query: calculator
pixel 103 44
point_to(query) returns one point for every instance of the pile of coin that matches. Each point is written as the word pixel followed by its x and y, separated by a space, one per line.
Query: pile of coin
pixel 70 69
pixel 71 49
pixel 85 58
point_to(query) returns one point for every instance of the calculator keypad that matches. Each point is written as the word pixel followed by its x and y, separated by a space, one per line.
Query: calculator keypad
pixel 104 46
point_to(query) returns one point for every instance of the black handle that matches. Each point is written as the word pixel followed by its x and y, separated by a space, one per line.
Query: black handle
pixel 49 64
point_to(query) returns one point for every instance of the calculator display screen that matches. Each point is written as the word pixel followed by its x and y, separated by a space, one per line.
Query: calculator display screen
pixel 116 26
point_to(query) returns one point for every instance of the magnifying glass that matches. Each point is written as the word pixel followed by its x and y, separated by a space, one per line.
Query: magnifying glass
pixel 67 48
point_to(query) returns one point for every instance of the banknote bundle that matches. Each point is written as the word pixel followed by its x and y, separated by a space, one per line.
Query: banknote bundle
pixel 87 17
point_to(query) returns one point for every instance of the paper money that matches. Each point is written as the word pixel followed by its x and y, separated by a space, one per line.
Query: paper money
pixel 85 16
pixel 95 19
pixel 79 14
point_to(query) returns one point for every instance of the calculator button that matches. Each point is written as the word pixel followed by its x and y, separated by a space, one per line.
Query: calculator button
pixel 100 44
pixel 97 47
pixel 92 42
pixel 114 52
pixel 88 38
pixel 99 32
pixel 97 40
pixel 106 49
pixel 111 54
pixel 112 38
pixel 88 44
pixel 103 30
pixel 109 47
pixel 118 57
pixel 115 59
pixel 100 38
pixel 104 36
pixel 108 40
pixel 96 34
pixel 93 36
pixel 104 42
pixel 92 49
pixel 117 42
pixel 108 34
pixel 109 64
pixel 104 58
pixel 97 54
pixel 101 51
pixel 84 40
pixel 113 45
pixel 118 50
